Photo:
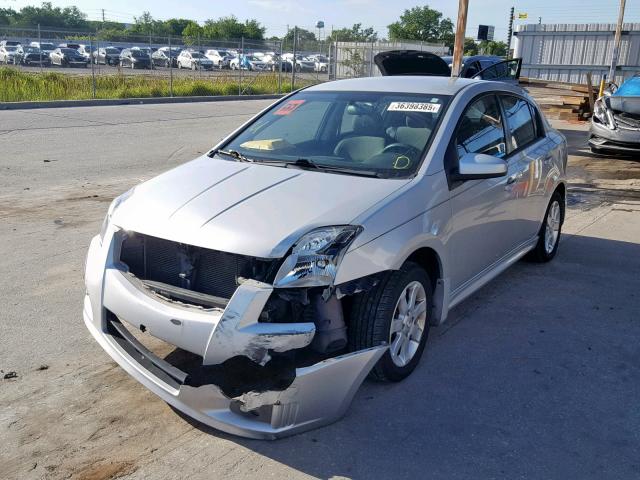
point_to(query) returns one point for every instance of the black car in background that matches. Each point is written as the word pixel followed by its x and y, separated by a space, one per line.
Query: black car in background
pixel 34 56
pixel 67 57
pixel 107 56
pixel 135 58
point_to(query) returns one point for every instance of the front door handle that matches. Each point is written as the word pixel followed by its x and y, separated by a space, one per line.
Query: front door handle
pixel 514 178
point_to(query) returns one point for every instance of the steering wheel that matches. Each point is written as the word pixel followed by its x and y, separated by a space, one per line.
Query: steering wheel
pixel 400 148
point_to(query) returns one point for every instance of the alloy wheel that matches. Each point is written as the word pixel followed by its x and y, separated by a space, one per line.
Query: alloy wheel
pixel 552 227
pixel 408 323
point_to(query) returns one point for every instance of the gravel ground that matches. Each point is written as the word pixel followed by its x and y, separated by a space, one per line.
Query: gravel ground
pixel 535 376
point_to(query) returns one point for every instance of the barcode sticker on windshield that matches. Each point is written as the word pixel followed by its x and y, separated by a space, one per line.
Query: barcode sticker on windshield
pixel 414 107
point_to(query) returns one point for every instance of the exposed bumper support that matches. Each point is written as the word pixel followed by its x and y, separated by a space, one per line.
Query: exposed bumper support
pixel 319 395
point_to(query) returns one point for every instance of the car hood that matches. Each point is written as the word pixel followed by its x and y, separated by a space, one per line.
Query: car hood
pixel 630 88
pixel 249 209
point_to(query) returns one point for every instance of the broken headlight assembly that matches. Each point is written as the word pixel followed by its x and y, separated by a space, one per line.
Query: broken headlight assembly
pixel 314 258
pixel 603 114
pixel 112 208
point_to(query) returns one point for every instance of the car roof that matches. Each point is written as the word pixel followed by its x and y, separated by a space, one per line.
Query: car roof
pixel 398 83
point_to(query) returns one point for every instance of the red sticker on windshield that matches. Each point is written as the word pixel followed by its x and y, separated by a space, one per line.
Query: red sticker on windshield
pixel 289 107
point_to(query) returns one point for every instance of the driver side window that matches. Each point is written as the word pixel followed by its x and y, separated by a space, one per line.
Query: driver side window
pixel 481 129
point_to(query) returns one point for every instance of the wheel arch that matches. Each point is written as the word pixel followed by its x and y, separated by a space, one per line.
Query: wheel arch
pixel 430 261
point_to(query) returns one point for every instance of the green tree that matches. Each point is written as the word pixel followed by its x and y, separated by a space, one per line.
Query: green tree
pixel 493 48
pixel 145 24
pixel 175 26
pixel 304 36
pixel 7 16
pixel 253 30
pixel 470 46
pixel 354 34
pixel 423 24
pixel 230 27
pixel 47 15
pixel 192 33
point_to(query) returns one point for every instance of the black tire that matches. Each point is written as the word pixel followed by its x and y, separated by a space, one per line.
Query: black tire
pixel 540 254
pixel 371 316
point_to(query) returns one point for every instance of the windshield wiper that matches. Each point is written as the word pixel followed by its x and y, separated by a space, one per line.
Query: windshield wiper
pixel 306 163
pixel 234 154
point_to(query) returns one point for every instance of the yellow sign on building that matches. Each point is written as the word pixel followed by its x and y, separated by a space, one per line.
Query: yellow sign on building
pixel 523 16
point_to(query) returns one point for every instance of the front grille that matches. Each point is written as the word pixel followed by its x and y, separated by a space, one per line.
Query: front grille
pixel 201 270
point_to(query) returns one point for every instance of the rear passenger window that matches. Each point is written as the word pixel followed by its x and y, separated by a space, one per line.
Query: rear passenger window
pixel 519 121
pixel 480 129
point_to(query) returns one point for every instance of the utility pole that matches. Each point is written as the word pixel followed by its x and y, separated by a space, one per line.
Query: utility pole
pixel 458 46
pixel 616 43
pixel 103 15
pixel 510 31
pixel 293 60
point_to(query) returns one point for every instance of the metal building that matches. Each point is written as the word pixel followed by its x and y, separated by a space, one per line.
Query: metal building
pixel 566 52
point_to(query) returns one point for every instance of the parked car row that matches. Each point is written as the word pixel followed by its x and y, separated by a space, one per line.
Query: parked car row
pixel 78 55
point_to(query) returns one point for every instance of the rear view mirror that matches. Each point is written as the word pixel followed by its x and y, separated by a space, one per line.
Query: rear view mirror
pixel 474 166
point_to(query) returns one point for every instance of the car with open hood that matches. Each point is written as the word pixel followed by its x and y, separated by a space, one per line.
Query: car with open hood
pixel 615 124
pixel 318 242
pixel 416 62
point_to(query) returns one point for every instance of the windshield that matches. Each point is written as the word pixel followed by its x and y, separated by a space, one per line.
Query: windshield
pixel 10 48
pixel 196 55
pixel 138 54
pixel 112 50
pixel 68 51
pixel 386 133
pixel 47 46
pixel 31 50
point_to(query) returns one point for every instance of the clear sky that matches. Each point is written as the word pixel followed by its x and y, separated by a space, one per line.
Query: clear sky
pixel 277 14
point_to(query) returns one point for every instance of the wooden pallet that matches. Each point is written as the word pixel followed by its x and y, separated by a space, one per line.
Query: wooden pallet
pixel 565 101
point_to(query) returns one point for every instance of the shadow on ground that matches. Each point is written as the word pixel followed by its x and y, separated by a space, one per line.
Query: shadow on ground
pixel 537 376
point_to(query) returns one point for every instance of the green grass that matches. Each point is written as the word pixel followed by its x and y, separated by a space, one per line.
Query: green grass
pixel 19 86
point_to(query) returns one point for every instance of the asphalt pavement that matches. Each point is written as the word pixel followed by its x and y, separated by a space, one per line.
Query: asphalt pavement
pixel 536 376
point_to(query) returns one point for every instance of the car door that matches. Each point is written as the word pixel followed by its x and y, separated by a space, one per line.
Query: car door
pixel 482 209
pixel 505 71
pixel 529 150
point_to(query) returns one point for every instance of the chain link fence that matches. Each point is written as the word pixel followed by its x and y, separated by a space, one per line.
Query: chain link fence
pixel 52 64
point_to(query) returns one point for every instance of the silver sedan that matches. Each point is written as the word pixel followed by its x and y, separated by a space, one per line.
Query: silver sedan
pixel 318 243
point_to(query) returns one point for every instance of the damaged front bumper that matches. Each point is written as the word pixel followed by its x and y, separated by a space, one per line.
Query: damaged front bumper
pixel 317 395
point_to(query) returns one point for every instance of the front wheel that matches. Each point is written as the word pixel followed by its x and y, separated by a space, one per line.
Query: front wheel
pixel 396 311
pixel 549 235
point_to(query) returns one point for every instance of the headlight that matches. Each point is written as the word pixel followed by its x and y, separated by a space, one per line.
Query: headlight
pixel 314 259
pixel 112 208
pixel 602 113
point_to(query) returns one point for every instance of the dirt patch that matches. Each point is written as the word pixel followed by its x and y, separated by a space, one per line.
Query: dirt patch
pixel 105 471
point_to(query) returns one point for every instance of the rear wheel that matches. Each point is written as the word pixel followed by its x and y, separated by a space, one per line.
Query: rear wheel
pixel 396 312
pixel 549 235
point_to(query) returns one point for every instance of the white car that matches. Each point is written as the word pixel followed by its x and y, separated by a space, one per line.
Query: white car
pixel 319 241
pixel 321 63
pixel 194 61
pixel 86 51
pixel 45 47
pixel 10 54
pixel 220 58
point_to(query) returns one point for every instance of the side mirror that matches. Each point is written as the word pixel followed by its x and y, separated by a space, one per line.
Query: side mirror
pixel 475 166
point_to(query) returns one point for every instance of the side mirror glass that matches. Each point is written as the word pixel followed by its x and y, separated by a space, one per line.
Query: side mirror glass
pixel 475 166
